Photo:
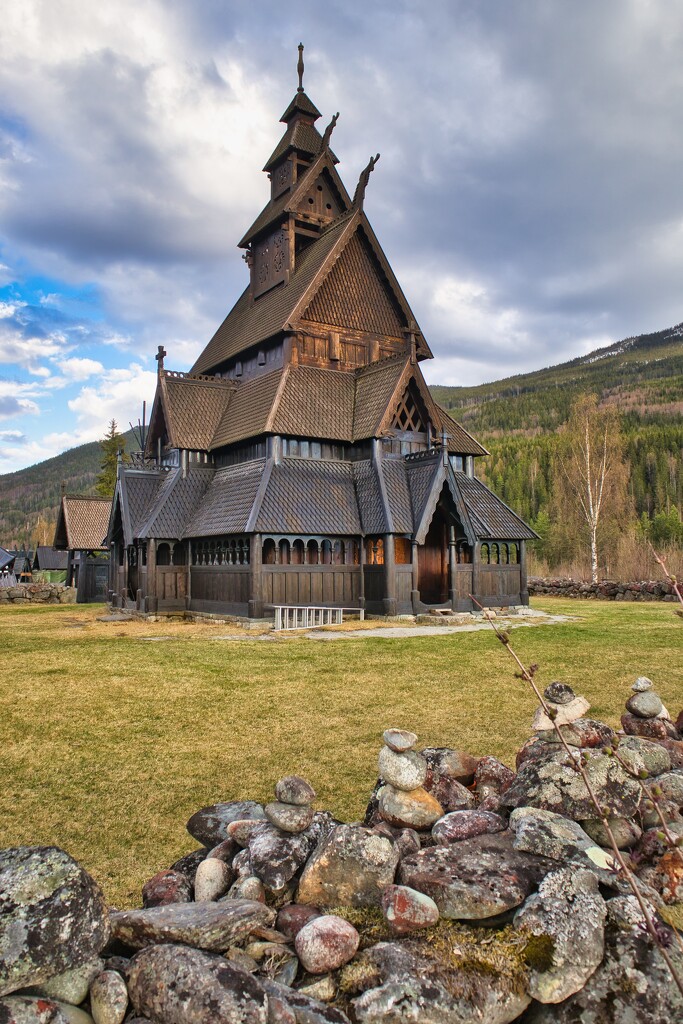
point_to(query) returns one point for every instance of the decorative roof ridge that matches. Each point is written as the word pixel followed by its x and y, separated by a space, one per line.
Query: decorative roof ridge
pixel 442 412
pixel 200 378
pixel 381 363
pixel 87 497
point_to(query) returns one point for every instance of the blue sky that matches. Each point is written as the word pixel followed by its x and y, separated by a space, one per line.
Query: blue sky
pixel 528 194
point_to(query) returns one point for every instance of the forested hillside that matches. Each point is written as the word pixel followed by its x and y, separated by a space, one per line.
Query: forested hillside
pixel 29 498
pixel 518 420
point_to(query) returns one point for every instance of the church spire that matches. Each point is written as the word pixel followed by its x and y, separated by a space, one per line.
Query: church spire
pixel 300 68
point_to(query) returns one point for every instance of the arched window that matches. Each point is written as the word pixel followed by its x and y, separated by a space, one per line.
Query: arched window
pixel 326 553
pixel 504 554
pixel 178 554
pixel 485 554
pixel 298 553
pixel 312 552
pixel 268 552
pixel 338 553
pixel 514 554
pixel 164 554
pixel 284 552
pixel 375 551
pixel 494 554
pixel 464 552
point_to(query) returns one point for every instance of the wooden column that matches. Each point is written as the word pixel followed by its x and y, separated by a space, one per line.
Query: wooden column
pixel 415 592
pixel 151 599
pixel 188 578
pixel 523 587
pixel 389 601
pixel 255 610
pixel 361 558
pixel 452 569
pixel 476 563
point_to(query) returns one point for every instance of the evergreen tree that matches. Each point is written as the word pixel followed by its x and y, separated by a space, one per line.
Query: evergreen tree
pixel 111 444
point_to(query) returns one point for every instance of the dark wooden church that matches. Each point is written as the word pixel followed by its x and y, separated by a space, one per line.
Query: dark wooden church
pixel 302 461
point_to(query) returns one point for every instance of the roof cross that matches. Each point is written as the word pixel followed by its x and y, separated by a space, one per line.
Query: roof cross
pixel 161 352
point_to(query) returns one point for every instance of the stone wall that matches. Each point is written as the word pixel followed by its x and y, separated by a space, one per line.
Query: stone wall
pixel 604 590
pixel 38 593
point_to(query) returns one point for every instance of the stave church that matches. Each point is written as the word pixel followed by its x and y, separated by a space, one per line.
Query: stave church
pixel 302 461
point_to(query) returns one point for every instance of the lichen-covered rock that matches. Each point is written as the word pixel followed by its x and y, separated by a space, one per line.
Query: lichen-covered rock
pixel 187 865
pixel 547 833
pixel 212 880
pixel 289 817
pixel 584 732
pixel 293 789
pixel 452 764
pixel 407 910
pixel 276 856
pixel 326 943
pixel 403 771
pixel 568 909
pixel 171 984
pixel 303 1008
pixel 247 887
pixel 350 867
pixel 626 832
pixel 651 728
pixel 209 825
pixel 491 780
pixel 167 887
pixel 665 876
pixel 108 998
pixel 292 917
pixel 446 790
pixel 645 704
pixel 70 987
pixel 555 785
pixel 209 926
pixel 476 878
pixel 52 916
pixel 640 754
pixel 674 749
pixel 24 1009
pixel 417 809
pixel 559 693
pixel 458 825
pixel 632 983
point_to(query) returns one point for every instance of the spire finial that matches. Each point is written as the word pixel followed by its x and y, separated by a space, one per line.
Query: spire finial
pixel 300 68
pixel 161 352
pixel 359 194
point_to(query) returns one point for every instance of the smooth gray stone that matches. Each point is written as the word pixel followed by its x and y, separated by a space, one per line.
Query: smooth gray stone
pixel 645 704
pixel 209 825
pixel 210 926
pixel 21 1009
pixel 52 916
pixel 71 986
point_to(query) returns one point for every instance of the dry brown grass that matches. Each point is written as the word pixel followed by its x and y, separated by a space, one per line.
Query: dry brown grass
pixel 109 741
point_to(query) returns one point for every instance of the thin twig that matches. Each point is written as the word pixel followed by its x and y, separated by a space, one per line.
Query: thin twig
pixel 527 674
pixel 671 578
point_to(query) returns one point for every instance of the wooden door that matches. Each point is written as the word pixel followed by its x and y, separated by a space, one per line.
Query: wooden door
pixel 432 562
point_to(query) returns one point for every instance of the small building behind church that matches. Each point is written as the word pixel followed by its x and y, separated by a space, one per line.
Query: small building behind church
pixel 81 532
pixel 302 461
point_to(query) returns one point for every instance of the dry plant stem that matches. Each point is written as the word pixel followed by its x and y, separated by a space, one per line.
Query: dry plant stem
pixel 672 579
pixel 528 677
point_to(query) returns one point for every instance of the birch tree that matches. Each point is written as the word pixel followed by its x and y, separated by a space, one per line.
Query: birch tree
pixel 592 474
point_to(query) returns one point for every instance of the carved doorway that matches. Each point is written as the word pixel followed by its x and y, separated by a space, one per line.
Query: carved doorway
pixel 432 562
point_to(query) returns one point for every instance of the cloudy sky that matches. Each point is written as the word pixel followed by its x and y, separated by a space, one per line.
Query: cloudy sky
pixel 529 193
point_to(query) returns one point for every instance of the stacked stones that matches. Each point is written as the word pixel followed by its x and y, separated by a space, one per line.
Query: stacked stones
pixel 291 811
pixel 325 922
pixel 403 800
pixel 646 715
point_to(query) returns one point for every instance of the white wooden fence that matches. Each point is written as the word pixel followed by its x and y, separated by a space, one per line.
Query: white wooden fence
pixel 288 616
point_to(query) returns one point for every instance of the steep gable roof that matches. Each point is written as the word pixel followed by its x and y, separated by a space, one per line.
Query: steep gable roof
pixel 310 496
pixel 191 407
pixel 48 559
pixel 82 523
pixel 491 518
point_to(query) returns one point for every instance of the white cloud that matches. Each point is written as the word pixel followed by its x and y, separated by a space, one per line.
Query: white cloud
pixel 118 395
pixel 79 368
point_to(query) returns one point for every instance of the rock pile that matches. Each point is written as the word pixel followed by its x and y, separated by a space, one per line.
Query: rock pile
pixel 469 893
pixel 38 593
pixel 603 590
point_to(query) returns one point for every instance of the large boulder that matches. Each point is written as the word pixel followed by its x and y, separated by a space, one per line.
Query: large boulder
pixel 276 856
pixel 52 916
pixel 475 878
pixel 632 983
pixel 555 785
pixel 210 926
pixel 350 867
pixel 569 911
pixel 170 984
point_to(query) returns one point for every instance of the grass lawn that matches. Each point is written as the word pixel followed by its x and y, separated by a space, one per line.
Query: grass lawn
pixel 109 741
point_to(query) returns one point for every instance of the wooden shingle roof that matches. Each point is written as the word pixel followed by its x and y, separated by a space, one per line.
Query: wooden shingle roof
pixel 228 502
pixel 48 559
pixel 82 523
pixel 310 496
pixel 491 518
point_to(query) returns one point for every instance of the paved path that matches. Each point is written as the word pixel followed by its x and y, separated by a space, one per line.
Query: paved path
pixel 399 632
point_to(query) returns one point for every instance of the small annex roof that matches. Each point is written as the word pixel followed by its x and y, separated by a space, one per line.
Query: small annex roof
pixel 491 518
pixel 48 559
pixel 6 557
pixel 190 407
pixel 82 523
pixel 459 441
pixel 176 501
pixel 302 104
pixel 371 505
